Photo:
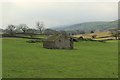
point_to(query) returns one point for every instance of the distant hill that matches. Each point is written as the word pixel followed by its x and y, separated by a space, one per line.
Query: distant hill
pixel 99 25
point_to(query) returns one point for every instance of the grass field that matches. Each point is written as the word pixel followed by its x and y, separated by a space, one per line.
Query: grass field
pixel 89 59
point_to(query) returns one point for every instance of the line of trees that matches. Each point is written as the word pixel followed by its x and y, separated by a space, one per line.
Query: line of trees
pixel 24 29
pixel 13 30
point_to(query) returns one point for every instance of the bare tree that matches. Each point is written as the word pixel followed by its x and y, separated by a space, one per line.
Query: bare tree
pixel 11 29
pixel 40 26
pixel 23 27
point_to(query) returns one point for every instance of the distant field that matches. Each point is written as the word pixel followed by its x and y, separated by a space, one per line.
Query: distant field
pixel 88 60
pixel 99 34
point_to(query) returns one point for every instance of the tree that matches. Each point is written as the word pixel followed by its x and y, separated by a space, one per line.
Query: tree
pixel 11 29
pixel 40 26
pixel 92 31
pixel 1 30
pixel 23 27
pixel 80 38
pixel 94 36
pixel 115 33
pixel 31 32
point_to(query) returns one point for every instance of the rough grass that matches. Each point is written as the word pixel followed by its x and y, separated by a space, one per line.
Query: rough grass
pixel 104 38
pixel 88 60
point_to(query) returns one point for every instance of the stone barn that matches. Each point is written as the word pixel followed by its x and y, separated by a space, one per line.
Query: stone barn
pixel 58 42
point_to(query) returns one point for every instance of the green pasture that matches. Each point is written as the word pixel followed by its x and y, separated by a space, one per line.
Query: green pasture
pixel 88 59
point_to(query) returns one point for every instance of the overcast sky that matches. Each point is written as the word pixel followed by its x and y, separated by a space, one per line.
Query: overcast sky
pixel 57 13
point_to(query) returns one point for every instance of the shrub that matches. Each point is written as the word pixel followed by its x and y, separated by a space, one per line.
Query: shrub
pixel 34 41
pixel 80 38
pixel 94 36
pixel 75 39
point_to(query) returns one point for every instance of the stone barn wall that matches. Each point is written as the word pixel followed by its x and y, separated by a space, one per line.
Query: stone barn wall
pixel 63 43
pixel 59 43
pixel 48 44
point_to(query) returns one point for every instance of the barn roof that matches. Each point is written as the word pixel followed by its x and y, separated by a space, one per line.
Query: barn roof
pixel 53 37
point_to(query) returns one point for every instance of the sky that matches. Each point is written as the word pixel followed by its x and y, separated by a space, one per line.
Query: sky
pixel 56 13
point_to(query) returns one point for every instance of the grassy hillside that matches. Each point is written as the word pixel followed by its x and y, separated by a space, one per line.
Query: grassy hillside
pixel 99 25
pixel 87 60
